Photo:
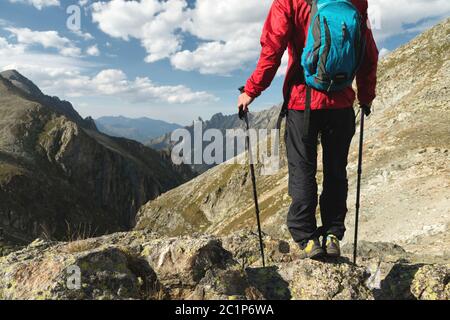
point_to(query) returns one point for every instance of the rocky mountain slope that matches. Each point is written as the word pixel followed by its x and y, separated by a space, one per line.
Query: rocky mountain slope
pixel 141 265
pixel 60 177
pixel 141 129
pixel 406 176
pixel 265 119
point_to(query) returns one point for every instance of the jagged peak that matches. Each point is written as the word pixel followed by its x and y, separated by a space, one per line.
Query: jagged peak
pixel 217 116
pixel 90 123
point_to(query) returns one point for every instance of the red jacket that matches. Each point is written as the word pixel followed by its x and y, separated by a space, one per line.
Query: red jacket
pixel 279 33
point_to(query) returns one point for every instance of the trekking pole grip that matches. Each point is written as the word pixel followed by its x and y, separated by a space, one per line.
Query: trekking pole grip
pixel 242 113
pixel 366 109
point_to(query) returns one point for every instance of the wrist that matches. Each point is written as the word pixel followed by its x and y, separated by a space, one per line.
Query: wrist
pixel 250 93
pixel 365 104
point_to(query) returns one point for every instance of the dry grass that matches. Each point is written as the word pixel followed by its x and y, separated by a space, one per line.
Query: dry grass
pixel 78 238
pixel 79 246
pixel 79 232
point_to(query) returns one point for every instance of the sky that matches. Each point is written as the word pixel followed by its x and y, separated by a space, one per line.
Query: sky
pixel 174 60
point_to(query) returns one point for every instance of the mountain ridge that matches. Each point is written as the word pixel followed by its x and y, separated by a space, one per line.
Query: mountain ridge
pixel 60 175
pixel 31 92
pixel 265 119
pixel 141 129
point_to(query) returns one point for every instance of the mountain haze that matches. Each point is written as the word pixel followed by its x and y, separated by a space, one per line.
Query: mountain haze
pixel 265 119
pixel 140 129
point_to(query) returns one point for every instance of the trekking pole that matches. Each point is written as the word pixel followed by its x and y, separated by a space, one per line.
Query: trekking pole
pixel 244 116
pixel 364 112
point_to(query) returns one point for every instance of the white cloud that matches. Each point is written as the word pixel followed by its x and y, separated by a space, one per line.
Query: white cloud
pixel 67 77
pixel 124 19
pixel 231 30
pixel 391 18
pixel 93 51
pixel 114 82
pixel 217 57
pixel 47 39
pixel 282 70
pixel 10 50
pixel 40 67
pixel 39 4
pixel 228 32
pixel 384 52
pixel 84 35
pixel 152 22
pixel 223 20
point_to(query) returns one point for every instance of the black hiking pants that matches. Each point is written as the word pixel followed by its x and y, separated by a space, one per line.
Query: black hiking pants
pixel 336 129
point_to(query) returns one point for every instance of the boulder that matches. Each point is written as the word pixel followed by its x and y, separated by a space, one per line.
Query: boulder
pixel 431 282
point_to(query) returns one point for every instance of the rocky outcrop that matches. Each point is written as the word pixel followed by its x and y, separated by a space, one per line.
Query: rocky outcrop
pixel 398 274
pixel 432 283
pixel 61 178
pixel 139 265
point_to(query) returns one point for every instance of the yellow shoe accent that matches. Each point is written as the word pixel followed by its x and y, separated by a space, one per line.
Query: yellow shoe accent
pixel 332 240
pixel 309 246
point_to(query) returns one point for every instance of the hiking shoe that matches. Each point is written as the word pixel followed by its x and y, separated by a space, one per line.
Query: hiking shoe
pixel 331 246
pixel 311 250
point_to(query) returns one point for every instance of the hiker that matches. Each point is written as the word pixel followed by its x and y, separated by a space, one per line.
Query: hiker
pixel 311 113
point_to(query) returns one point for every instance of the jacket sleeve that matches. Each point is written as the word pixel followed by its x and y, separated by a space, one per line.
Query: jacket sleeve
pixel 274 40
pixel 366 78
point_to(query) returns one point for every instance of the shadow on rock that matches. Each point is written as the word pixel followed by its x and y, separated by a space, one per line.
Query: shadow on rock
pixel 269 282
pixel 334 260
pixel 397 284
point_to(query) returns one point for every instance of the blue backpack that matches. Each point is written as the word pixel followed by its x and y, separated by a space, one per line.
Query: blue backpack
pixel 334 46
